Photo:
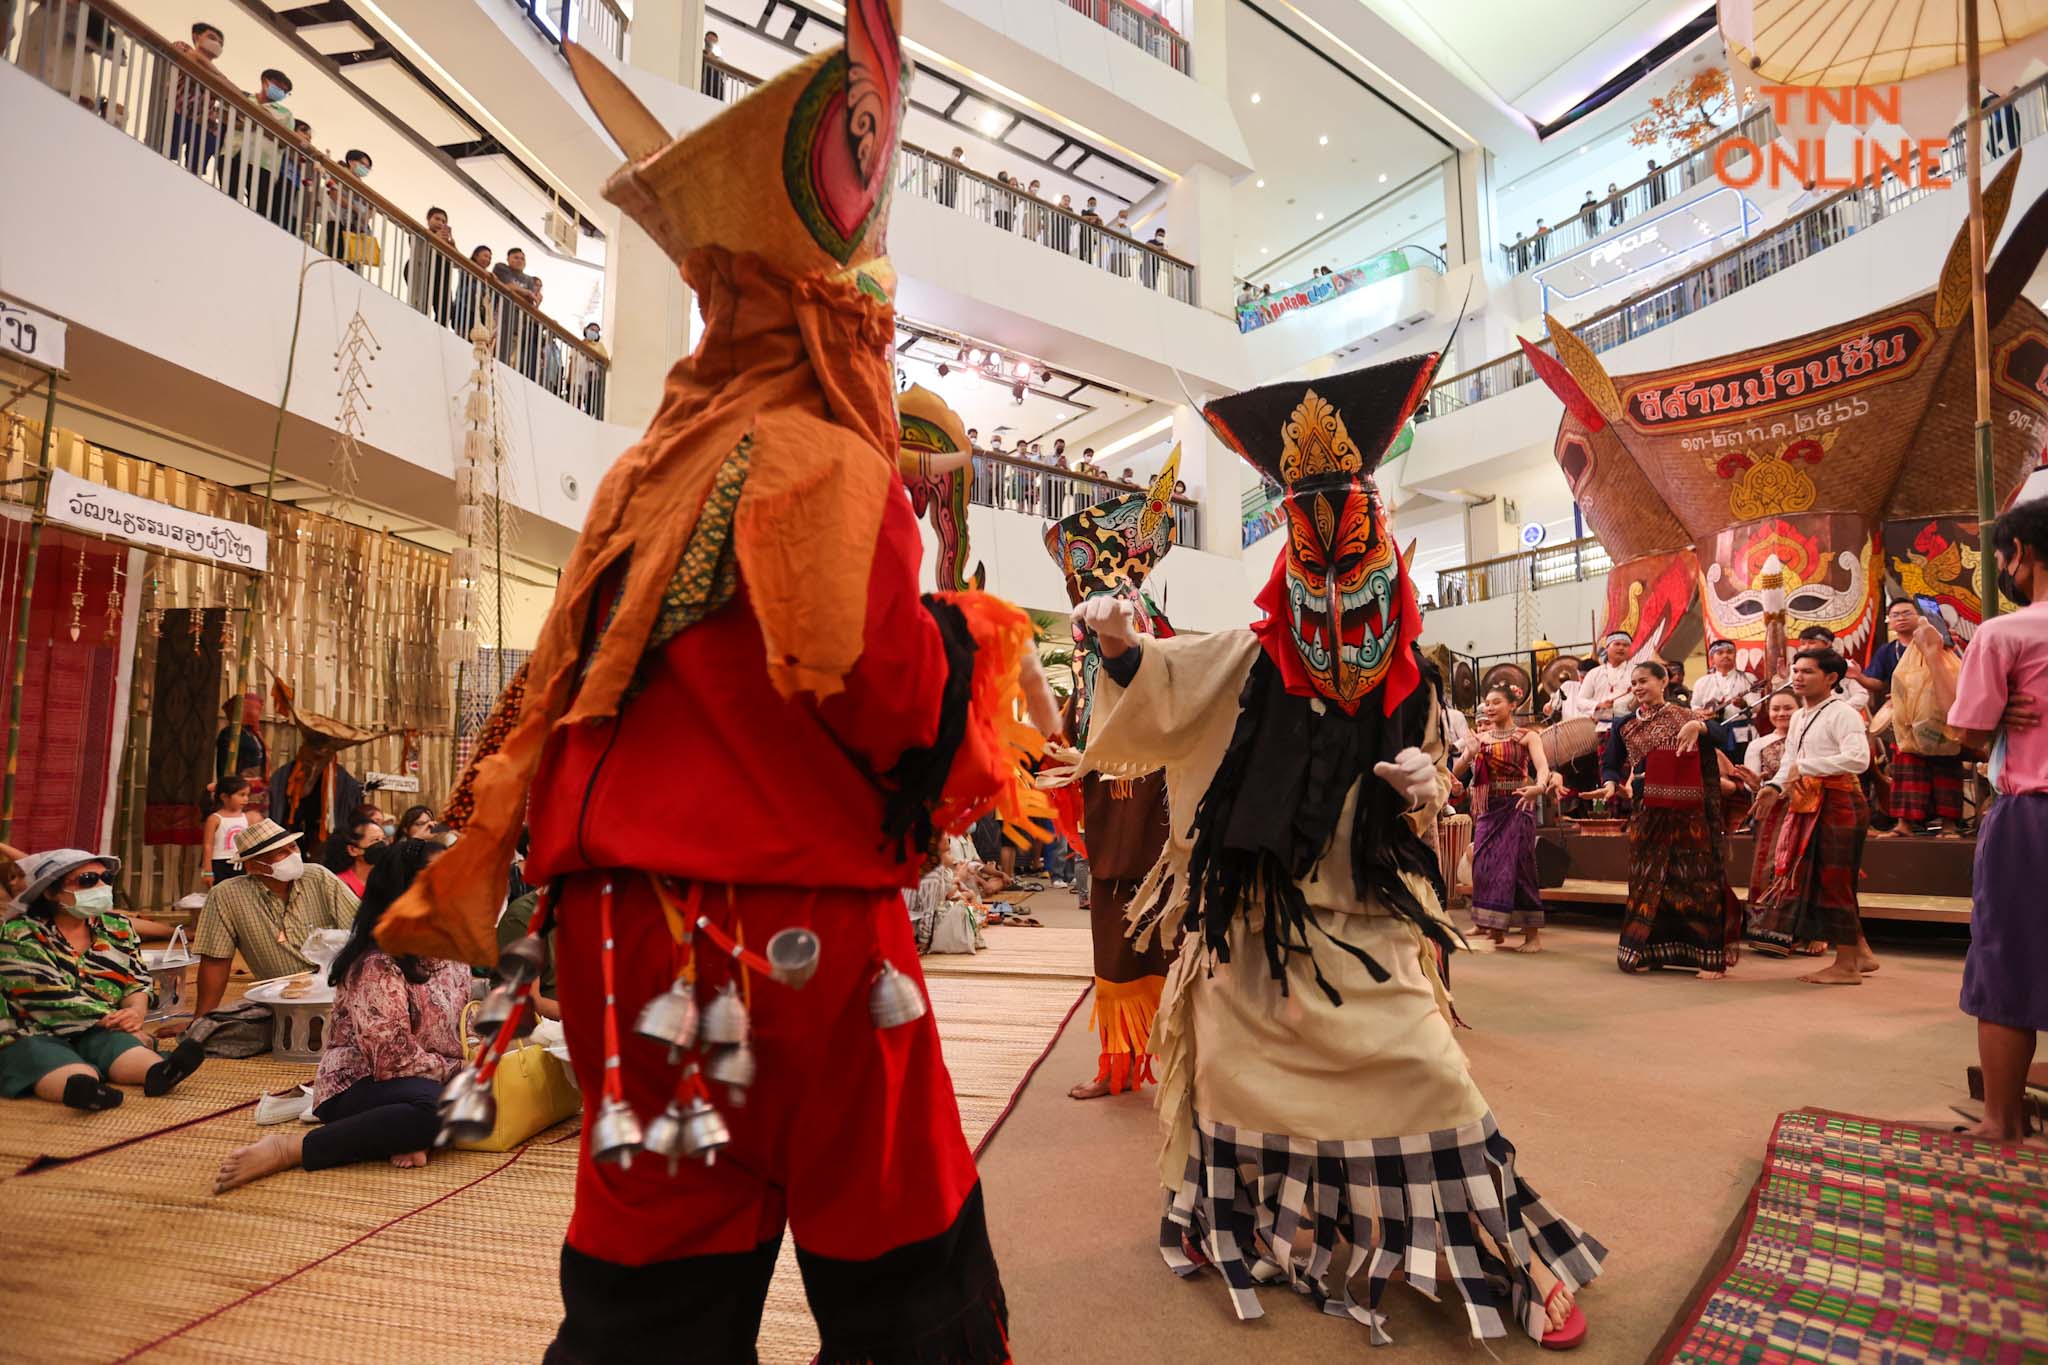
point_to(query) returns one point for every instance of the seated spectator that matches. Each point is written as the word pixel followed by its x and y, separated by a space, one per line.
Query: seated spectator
pixel 416 823
pixel 394 1040
pixel 74 991
pixel 351 853
pixel 264 915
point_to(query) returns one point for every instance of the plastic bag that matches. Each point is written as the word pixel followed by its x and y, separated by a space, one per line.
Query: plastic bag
pixel 1923 690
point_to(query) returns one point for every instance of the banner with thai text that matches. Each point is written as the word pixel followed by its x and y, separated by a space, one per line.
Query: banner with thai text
pixel 143 521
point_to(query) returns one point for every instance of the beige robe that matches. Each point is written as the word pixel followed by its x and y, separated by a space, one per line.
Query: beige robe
pixel 1232 1047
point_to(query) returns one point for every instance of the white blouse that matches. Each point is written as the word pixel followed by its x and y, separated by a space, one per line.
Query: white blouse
pixel 1824 740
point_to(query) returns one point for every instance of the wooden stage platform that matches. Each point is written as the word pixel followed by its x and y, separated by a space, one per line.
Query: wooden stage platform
pixel 1907 878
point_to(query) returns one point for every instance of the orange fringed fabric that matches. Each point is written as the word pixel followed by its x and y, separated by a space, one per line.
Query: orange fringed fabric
pixel 1068 815
pixel 1123 1015
pixel 990 771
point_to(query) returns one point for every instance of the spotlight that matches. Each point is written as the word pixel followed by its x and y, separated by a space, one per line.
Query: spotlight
pixel 974 357
pixel 1023 368
pixel 944 369
pixel 1017 394
pixel 1255 97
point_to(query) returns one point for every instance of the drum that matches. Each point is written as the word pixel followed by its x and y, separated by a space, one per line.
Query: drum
pixel 1454 856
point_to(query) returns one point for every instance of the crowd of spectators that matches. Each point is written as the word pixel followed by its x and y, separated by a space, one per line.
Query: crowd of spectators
pixel 1016 205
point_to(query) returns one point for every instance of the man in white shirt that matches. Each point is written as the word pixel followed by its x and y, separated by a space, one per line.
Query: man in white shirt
pixel 1724 693
pixel 1604 692
pixel 1820 857
pixel 1851 691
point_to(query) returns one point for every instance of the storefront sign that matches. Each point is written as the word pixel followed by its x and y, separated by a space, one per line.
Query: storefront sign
pixel 35 337
pixel 1321 289
pixel 1886 349
pixel 96 507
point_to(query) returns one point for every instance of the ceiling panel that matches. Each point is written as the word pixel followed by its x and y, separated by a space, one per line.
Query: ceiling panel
pixel 336 38
pixel 407 101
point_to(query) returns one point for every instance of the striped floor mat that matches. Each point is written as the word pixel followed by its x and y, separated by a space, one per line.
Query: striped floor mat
pixel 1873 1241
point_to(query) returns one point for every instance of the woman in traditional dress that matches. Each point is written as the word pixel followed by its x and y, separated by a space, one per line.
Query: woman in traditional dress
pixel 1509 773
pixel 1760 763
pixel 1681 911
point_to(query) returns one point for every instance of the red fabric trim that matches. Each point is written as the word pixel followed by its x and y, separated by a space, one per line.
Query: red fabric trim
pixel 263 1289
pixel 46 1162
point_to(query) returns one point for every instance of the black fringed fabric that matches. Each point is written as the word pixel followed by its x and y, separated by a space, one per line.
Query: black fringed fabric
pixel 1273 806
pixel 918 779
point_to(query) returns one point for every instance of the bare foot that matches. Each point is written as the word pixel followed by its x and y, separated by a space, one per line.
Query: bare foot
pixel 1529 944
pixel 1712 976
pixel 1497 935
pixel 267 1155
pixel 1868 964
pixel 406 1161
pixel 1834 976
pixel 1089 1090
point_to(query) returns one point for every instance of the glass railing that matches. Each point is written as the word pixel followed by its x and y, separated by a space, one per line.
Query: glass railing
pixel 951 185
pixel 120 71
pixel 1653 190
pixel 600 25
pixel 1138 28
pixel 1574 561
pixel 2019 119
pixel 1038 490
pixel 1270 305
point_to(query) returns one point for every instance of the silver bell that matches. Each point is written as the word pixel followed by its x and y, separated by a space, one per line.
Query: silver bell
pixel 894 999
pixel 616 1135
pixel 670 1018
pixel 725 1018
pixel 460 1084
pixel 793 956
pixel 520 963
pixel 704 1132
pixel 495 1012
pixel 732 1066
pixel 471 1118
pixel 664 1136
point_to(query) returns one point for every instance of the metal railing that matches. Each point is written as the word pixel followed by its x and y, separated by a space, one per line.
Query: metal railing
pixel 1574 561
pixel 1632 201
pixel 1262 509
pixel 2014 122
pixel 122 72
pixel 1038 490
pixel 948 183
pixel 600 25
pixel 1139 29
pixel 1271 305
pixel 726 84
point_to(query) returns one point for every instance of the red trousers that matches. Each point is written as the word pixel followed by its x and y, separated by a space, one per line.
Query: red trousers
pixel 850 1133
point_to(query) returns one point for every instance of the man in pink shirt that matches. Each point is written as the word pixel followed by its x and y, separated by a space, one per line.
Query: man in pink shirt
pixel 2004 678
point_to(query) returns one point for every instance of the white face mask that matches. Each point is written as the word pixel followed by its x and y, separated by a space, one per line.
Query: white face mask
pixel 92 901
pixel 288 868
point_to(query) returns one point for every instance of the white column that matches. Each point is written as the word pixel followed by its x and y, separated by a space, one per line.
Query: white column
pixel 1222 482
pixel 1469 233
pixel 1206 52
pixel 647 303
pixel 1200 228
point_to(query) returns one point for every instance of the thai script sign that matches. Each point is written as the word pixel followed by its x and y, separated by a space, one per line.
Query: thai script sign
pixel 1831 367
pixel 35 337
pixel 96 507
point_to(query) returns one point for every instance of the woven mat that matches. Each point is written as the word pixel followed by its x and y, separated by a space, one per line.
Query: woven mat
pixel 455 1262
pixel 1866 1240
pixel 1021 950
pixel 32 1128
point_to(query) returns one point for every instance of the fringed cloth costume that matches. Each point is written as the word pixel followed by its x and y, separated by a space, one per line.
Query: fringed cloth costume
pixel 1309 1079
pixel 740 718
pixel 1505 894
pixel 1111 549
pixel 1681 911
pixel 1819 831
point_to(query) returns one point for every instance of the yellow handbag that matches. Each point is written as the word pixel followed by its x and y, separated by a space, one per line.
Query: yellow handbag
pixel 360 248
pixel 533 1089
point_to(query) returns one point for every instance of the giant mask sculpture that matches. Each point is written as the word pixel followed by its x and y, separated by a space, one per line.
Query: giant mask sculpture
pixel 1339 611
pixel 1111 550
pixel 1833 451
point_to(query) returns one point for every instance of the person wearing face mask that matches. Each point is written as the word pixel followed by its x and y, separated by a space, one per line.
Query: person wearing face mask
pixel 264 914
pixel 266 197
pixel 590 395
pixel 350 853
pixel 196 117
pixel 77 991
pixel 350 238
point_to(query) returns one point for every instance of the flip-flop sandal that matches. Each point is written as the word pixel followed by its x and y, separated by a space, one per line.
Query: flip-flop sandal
pixel 1572 1335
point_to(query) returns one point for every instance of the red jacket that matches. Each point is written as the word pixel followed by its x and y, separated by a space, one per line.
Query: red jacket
pixel 709 775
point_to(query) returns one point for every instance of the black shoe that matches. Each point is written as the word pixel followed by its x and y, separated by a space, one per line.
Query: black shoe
pixel 185 1058
pixel 90 1093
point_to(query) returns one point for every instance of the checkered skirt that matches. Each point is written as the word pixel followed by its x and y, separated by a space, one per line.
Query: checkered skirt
pixel 1375 1204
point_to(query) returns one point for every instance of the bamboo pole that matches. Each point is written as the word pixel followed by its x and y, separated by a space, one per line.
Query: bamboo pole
pixel 22 619
pixel 1980 324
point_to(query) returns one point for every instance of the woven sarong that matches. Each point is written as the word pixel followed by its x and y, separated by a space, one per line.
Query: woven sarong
pixel 1816 858
pixel 1505 894
pixel 1926 787
pixel 1681 910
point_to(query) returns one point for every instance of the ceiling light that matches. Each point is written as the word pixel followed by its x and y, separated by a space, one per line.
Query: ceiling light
pixel 1263 251
pixel 992 120
pixel 1584 150
pixel 1383 177
pixel 1261 184
pixel 1319 218
pixel 1323 141
pixel 1255 97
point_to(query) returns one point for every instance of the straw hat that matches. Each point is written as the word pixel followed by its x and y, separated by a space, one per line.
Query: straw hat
pixel 264 836
pixel 45 870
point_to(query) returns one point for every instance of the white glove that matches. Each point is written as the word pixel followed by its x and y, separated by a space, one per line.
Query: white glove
pixel 1412 773
pixel 1112 620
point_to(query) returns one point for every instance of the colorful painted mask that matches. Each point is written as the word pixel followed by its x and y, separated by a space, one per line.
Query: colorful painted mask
pixel 932 456
pixel 1111 550
pixel 1339 611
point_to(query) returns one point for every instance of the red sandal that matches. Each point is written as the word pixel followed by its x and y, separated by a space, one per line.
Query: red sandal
pixel 1572 1335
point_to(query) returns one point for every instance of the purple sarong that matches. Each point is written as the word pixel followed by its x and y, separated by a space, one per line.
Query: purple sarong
pixel 1504 890
pixel 2008 963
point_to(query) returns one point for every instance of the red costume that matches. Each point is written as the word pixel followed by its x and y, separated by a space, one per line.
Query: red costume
pixel 740 730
